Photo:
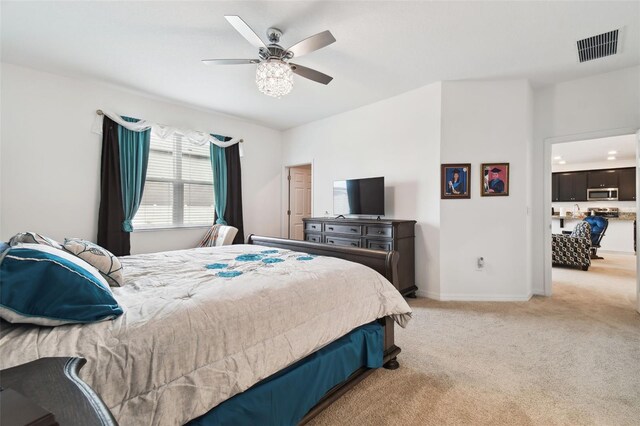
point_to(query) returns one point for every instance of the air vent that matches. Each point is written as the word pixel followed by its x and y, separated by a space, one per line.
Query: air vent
pixel 598 46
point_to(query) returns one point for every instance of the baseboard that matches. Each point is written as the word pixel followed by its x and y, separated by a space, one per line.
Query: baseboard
pixel 473 297
pixel 428 294
pixel 538 292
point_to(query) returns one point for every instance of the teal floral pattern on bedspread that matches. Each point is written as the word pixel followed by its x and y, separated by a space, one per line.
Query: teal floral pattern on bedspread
pixel 217 265
pixel 254 262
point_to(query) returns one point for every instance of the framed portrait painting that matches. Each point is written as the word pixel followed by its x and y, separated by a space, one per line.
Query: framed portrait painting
pixel 454 181
pixel 495 179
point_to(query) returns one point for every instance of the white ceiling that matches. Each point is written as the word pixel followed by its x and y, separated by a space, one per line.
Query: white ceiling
pixel 382 48
pixel 595 150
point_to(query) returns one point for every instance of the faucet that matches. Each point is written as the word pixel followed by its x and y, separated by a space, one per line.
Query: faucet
pixel 576 208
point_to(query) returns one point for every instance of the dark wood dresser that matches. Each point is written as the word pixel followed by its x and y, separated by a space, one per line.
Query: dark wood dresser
pixel 384 234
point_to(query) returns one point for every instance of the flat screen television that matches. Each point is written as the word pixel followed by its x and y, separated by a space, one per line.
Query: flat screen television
pixel 359 196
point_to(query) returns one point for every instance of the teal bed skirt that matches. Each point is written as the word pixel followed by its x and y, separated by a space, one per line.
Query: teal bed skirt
pixel 285 398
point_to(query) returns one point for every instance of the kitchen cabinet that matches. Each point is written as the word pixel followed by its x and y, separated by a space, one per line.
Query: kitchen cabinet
pixel 572 186
pixel 603 178
pixel 627 184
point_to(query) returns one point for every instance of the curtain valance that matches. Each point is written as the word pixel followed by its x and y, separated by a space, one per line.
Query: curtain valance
pixel 160 130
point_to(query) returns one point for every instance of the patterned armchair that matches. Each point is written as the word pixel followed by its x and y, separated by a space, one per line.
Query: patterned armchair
pixel 573 250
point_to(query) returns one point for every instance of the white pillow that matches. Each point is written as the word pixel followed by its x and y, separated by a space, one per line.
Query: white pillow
pixel 98 257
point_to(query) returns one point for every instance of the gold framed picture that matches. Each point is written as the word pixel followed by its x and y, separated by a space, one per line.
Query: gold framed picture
pixel 454 181
pixel 494 179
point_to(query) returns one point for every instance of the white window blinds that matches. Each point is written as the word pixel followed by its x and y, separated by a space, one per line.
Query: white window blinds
pixel 179 187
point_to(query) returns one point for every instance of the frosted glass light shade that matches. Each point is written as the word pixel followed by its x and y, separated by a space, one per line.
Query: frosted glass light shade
pixel 274 78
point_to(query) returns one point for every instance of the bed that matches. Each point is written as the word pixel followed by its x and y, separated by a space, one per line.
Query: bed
pixel 204 325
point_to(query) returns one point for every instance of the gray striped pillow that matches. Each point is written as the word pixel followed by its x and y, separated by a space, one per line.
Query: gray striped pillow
pixel 98 257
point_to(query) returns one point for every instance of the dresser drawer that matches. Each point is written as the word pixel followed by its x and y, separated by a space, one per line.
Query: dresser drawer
pixel 348 242
pixel 342 229
pixel 379 231
pixel 313 226
pixel 314 238
pixel 380 245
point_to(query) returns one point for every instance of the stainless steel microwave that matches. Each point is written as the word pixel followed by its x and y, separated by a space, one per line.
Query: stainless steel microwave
pixel 602 194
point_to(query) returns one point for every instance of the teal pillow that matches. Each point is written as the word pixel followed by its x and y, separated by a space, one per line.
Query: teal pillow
pixel 44 285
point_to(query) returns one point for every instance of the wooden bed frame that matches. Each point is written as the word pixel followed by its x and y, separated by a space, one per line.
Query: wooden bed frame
pixel 53 383
pixel 386 263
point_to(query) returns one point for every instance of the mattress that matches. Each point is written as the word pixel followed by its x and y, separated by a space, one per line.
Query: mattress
pixel 205 324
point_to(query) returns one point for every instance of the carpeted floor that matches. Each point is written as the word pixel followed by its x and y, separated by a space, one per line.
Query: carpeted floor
pixel 571 359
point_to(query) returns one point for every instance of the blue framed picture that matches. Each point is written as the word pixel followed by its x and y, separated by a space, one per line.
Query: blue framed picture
pixel 454 181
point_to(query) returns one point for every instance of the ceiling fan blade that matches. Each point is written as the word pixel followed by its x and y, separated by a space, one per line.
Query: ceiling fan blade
pixel 230 61
pixel 245 30
pixel 312 43
pixel 311 74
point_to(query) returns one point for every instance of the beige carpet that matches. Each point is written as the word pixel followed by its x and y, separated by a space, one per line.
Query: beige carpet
pixel 573 358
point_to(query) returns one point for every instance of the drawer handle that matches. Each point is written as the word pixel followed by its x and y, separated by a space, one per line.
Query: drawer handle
pixel 330 228
pixel 380 246
pixel 354 230
pixel 354 244
pixel 380 232
pixel 330 241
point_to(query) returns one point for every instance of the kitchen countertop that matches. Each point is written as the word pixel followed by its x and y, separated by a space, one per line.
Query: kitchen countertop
pixel 622 216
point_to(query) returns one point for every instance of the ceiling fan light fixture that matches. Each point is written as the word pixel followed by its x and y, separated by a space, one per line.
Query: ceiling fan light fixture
pixel 274 78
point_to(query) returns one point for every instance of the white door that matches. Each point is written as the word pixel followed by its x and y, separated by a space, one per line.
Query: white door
pixel 299 200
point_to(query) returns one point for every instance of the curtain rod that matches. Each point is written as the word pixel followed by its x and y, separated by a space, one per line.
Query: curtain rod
pixel 99 112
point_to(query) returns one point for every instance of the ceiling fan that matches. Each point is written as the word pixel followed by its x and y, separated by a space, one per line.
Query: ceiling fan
pixel 274 75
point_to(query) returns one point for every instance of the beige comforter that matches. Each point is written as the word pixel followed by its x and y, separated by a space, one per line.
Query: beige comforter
pixel 191 338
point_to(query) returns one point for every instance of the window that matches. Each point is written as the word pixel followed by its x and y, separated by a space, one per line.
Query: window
pixel 179 187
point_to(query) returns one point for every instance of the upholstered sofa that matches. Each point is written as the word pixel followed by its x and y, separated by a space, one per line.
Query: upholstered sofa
pixel 573 250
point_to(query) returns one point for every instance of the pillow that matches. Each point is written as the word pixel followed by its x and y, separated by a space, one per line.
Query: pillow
pixel 47 286
pixel 100 258
pixel 582 230
pixel 33 238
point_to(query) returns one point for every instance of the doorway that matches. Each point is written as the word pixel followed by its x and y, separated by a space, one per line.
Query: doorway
pixel 299 184
pixel 594 179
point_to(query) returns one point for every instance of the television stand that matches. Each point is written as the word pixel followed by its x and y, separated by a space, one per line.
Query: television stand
pixel 374 234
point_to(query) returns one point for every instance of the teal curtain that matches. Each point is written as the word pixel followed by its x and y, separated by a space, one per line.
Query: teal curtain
pixel 219 167
pixel 134 157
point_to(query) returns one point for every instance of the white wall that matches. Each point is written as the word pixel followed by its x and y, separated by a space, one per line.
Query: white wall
pixel 51 161
pixel 398 138
pixel 405 138
pixel 486 122
pixel 574 109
